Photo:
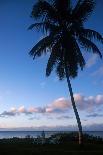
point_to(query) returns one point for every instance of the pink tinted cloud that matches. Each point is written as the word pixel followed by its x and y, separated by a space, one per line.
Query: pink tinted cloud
pixel 21 109
pixel 60 105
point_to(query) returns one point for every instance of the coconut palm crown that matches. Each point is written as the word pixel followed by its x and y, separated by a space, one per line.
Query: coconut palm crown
pixel 65 34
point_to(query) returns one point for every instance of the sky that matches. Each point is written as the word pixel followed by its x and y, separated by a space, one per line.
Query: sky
pixel 30 100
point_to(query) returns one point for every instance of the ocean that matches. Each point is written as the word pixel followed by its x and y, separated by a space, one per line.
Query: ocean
pixel 23 134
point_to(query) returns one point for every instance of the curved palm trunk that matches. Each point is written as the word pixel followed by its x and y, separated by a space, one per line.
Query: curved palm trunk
pixel 74 108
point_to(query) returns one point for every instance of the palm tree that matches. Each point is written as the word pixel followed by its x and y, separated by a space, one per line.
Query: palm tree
pixel 64 37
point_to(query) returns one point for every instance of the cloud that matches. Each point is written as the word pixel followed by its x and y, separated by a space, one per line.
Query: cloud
pixel 61 103
pixel 11 112
pixel 13 109
pixel 37 110
pixel 83 103
pixel 56 79
pixel 7 113
pixel 88 103
pixel 57 106
pixel 63 117
pixel 93 127
pixel 95 115
pixel 85 120
pixel 60 106
pixel 91 61
pixel 34 118
pixel 22 110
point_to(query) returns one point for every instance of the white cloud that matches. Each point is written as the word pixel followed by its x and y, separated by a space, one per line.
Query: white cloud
pixel 13 109
pixel 64 117
pixel 99 99
pixel 91 61
pixel 95 115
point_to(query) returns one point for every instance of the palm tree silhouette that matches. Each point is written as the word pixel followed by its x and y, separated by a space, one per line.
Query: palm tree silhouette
pixel 64 37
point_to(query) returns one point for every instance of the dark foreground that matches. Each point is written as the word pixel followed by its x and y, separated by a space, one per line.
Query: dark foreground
pixel 60 146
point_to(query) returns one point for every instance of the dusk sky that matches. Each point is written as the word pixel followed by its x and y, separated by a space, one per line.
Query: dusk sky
pixel 27 97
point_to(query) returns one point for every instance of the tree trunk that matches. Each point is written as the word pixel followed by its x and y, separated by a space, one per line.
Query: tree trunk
pixel 74 108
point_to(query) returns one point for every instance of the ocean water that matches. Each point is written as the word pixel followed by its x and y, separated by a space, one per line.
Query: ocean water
pixel 23 134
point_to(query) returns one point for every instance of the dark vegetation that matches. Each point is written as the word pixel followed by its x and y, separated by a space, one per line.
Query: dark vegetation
pixel 59 144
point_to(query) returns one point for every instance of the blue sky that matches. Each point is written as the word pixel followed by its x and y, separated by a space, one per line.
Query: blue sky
pixel 27 97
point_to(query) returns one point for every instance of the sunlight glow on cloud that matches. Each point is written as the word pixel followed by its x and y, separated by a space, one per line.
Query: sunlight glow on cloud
pixel 60 105
pixel 21 109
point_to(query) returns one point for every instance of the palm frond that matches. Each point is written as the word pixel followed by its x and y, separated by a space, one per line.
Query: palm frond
pixel 74 58
pixel 83 10
pixel 60 70
pixel 89 46
pixel 44 27
pixel 43 8
pixel 63 9
pixel 77 6
pixel 80 58
pixel 37 26
pixel 61 5
pixel 55 57
pixel 51 63
pixel 41 47
pixel 91 34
